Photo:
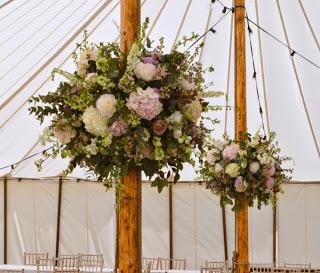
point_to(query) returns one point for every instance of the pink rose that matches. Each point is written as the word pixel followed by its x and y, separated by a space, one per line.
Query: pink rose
pixel 230 152
pixel 159 127
pixel 119 127
pixel 210 158
pixel 269 183
pixel 269 170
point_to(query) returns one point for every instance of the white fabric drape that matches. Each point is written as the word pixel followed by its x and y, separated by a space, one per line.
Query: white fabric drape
pixel 88 222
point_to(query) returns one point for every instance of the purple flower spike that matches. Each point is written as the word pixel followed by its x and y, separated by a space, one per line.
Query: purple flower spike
pixel 149 60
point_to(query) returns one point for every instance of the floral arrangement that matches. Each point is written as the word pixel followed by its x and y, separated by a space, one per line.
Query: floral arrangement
pixel 252 167
pixel 111 118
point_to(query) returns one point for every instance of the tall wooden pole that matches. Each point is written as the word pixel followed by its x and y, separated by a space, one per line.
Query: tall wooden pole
pixel 130 207
pixel 240 128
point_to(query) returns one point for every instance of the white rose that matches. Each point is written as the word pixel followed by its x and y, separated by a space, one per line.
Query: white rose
pixel 176 117
pixel 187 85
pixel 145 72
pixel 254 167
pixel 94 122
pixel 106 105
pixel 218 168
pixel 218 144
pixel 90 77
pixel 232 170
pixel 193 110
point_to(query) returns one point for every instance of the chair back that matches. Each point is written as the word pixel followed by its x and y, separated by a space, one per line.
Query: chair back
pixel 91 265
pixel 31 258
pixel 46 265
pixel 297 267
pixel 256 268
pixel 210 264
pixel 154 263
pixel 166 263
pixel 67 262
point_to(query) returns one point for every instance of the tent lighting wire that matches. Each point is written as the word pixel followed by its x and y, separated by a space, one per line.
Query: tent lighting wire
pixel 254 76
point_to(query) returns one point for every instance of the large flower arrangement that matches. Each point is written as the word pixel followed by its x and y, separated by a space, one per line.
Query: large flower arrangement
pixel 252 167
pixel 110 121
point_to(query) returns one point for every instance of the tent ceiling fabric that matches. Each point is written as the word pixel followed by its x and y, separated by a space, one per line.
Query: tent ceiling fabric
pixel 32 31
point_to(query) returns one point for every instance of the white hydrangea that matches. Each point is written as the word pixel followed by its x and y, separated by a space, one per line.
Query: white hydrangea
pixel 232 169
pixel 106 105
pixel 218 168
pixel 176 117
pixel 145 72
pixel 193 110
pixel 219 144
pixel 187 85
pixel 94 122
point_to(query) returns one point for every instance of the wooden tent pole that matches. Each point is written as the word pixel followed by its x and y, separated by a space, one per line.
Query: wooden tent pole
pixel 130 207
pixel 240 128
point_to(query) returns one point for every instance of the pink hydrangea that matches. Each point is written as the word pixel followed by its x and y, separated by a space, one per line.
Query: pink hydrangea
pixel 269 170
pixel 145 102
pixel 119 127
pixel 269 183
pixel 230 152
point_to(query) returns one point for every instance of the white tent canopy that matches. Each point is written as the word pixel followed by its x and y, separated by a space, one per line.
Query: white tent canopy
pixel 36 36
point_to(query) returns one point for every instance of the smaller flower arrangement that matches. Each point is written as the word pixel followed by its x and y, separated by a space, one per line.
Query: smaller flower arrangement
pixel 252 167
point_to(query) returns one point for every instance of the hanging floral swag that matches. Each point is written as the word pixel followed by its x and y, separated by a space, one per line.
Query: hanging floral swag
pixel 252 167
pixel 110 122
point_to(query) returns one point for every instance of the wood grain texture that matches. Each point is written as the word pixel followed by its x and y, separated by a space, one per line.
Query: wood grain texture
pixel 241 128
pixel 130 224
pixel 129 233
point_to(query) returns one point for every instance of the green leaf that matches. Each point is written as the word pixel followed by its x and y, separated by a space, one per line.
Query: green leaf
pixel 150 167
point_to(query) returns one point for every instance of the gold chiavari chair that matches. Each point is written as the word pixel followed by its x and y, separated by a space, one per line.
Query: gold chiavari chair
pixel 290 267
pixel 166 263
pixel 46 265
pixel 264 268
pixel 154 262
pixel 31 258
pixel 210 264
pixel 91 265
pixel 146 268
pixel 68 262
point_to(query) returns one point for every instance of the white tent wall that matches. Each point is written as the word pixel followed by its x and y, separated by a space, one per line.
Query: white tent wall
pixel 88 222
